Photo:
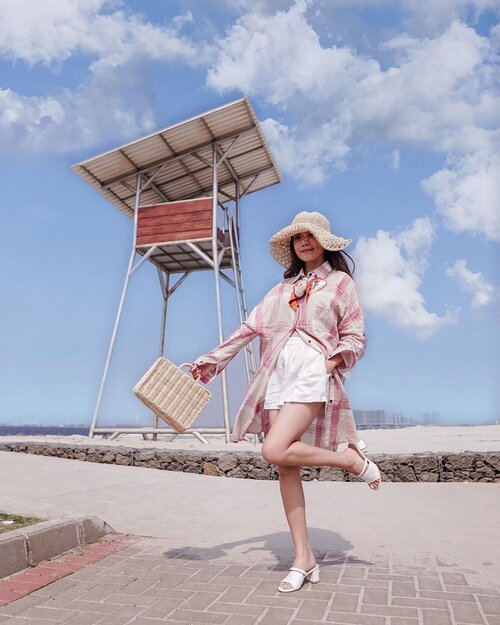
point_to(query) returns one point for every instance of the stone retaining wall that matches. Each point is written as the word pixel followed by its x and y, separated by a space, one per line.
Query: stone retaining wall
pixel 423 467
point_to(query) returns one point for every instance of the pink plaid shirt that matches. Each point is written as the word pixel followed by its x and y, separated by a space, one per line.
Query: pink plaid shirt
pixel 330 320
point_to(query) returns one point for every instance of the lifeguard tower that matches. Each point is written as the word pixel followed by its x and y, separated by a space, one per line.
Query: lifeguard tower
pixel 182 187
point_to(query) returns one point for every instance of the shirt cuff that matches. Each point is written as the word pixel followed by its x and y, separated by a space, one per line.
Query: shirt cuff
pixel 347 356
pixel 207 360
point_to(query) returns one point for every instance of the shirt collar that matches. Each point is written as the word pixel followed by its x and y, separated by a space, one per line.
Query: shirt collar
pixel 321 272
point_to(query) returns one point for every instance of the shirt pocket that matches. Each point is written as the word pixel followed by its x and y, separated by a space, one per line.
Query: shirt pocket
pixel 323 315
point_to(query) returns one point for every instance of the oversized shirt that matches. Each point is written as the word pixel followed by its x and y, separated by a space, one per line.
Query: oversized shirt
pixel 330 320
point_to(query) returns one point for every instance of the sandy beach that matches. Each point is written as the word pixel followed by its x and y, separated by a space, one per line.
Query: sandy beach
pixel 414 439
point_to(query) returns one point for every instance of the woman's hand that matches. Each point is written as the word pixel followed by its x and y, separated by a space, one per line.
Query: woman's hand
pixel 197 371
pixel 333 363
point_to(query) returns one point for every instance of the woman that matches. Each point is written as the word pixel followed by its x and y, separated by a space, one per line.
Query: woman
pixel 311 334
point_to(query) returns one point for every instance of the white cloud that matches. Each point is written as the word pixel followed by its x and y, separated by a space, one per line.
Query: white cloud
pixel 110 106
pixel 467 194
pixel 311 156
pixel 439 93
pixel 30 114
pixel 262 6
pixel 389 275
pixel 428 17
pixel 113 102
pixel 474 283
pixel 281 58
pixel 429 97
pixel 395 159
pixel 48 32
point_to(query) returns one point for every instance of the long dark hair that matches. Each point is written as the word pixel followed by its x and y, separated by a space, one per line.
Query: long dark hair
pixel 337 260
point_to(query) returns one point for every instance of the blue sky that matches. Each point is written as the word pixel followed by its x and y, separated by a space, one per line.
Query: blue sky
pixel 382 115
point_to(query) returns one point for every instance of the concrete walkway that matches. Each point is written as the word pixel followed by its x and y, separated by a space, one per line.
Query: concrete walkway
pixel 410 554
pixel 152 584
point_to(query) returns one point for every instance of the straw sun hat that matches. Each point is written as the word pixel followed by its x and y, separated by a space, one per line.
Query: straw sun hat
pixel 317 224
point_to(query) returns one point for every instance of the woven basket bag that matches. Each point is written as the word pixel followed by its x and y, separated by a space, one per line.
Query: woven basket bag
pixel 172 394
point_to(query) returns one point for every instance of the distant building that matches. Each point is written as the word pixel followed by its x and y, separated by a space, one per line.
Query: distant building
pixel 379 419
pixel 428 418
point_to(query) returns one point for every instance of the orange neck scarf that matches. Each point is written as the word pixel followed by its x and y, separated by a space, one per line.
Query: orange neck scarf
pixel 301 289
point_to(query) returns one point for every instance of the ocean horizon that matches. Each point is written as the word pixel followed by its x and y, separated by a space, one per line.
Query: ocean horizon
pixel 83 430
pixel 33 430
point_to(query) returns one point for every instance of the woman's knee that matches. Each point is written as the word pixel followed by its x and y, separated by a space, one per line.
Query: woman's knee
pixel 273 453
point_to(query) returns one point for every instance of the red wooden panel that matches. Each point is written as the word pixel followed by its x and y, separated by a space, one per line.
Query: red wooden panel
pixel 163 231
pixel 175 221
pixel 175 236
pixel 144 221
pixel 175 208
pixel 180 236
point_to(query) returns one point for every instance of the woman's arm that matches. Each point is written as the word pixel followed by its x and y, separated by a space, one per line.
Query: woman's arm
pixel 209 365
pixel 350 324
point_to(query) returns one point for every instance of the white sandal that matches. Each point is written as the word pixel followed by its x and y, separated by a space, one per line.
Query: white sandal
pixel 370 472
pixel 297 577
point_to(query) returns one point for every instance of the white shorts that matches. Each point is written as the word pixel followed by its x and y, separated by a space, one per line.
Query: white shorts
pixel 300 375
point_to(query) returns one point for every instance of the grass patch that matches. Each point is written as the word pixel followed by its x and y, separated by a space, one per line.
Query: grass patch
pixel 19 521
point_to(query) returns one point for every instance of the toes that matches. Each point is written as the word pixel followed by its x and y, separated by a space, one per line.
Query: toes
pixel 285 585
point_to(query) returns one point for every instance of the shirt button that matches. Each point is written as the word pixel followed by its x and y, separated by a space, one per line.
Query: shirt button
pixel 308 340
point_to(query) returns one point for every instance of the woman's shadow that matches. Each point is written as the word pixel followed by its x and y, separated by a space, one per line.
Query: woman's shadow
pixel 274 549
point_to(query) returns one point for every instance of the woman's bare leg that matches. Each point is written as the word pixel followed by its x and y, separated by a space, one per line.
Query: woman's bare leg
pixel 292 495
pixel 283 447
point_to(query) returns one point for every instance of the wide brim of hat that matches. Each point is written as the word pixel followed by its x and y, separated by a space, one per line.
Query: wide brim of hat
pixel 279 244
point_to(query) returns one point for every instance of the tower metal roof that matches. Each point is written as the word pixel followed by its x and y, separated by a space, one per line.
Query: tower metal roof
pixel 179 157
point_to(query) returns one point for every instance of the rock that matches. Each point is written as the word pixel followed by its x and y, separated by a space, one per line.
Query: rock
pixel 425 464
pixel 486 472
pixel 458 461
pixel 330 474
pixel 273 473
pixel 143 456
pixel 427 476
pixel 226 463
pixel 123 459
pixel 179 466
pixel 237 472
pixel 405 474
pixel 95 454
pixel 193 456
pixel 258 474
pixel 210 468
pixel 493 460
pixel 259 462
pixel 34 448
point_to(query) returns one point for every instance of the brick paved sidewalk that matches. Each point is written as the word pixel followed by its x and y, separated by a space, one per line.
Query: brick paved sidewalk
pixel 150 584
